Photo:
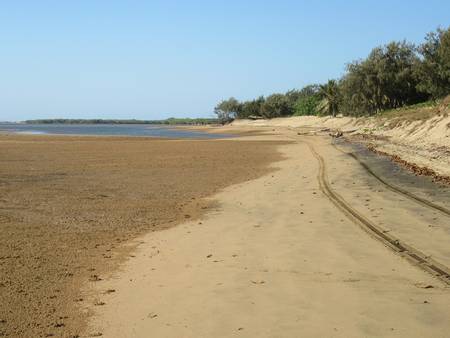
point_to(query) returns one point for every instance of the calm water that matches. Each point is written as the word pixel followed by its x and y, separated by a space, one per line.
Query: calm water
pixel 106 129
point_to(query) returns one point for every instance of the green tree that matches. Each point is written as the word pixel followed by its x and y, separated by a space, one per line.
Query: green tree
pixel 309 90
pixel 330 94
pixel 306 106
pixel 299 99
pixel 227 110
pixel 251 108
pixel 386 79
pixel 391 76
pixel 276 105
pixel 434 70
pixel 307 100
pixel 292 97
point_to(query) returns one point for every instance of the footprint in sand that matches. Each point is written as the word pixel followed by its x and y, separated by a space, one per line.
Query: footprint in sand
pixel 258 282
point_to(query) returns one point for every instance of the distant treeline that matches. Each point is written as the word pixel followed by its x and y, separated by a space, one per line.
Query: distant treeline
pixel 169 121
pixel 392 76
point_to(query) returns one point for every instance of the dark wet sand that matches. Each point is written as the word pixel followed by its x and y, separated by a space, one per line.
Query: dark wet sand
pixel 68 204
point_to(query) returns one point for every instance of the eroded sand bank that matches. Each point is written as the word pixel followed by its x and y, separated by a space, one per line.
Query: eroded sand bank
pixel 425 143
pixel 278 259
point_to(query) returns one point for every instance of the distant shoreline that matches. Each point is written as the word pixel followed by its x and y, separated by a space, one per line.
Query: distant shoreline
pixel 169 121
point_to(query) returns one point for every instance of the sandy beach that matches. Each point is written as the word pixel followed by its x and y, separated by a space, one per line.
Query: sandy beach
pixel 70 205
pixel 283 256
pixel 204 169
pixel 264 235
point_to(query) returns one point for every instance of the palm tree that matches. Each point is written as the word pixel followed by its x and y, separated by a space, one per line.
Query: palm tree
pixel 330 98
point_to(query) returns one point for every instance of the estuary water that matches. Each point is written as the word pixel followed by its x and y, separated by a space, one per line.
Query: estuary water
pixel 106 130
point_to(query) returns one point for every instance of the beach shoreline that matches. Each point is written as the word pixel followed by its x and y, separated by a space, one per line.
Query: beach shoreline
pixel 136 210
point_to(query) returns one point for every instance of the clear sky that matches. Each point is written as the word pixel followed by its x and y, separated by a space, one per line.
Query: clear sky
pixel 156 59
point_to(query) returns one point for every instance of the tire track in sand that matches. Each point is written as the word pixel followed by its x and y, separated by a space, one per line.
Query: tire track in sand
pixel 394 188
pixel 414 255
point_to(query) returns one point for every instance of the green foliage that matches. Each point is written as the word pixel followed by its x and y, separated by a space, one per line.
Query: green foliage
pixel 251 108
pixel 291 97
pixel 385 80
pixel 309 90
pixel 276 105
pixel 306 105
pixel 434 70
pixel 169 121
pixel 330 94
pixel 186 121
pixel 392 76
pixel 227 110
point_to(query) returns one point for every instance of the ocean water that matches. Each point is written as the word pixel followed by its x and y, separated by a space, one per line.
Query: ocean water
pixel 106 130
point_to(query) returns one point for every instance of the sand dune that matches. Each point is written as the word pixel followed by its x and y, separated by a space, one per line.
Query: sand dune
pixel 424 142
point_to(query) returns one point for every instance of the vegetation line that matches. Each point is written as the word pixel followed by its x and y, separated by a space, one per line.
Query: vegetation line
pixel 392 76
pixel 169 121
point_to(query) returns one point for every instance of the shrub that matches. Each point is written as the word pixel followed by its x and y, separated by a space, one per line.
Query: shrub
pixel 306 106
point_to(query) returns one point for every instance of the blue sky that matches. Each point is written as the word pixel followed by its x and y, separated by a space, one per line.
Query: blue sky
pixel 156 59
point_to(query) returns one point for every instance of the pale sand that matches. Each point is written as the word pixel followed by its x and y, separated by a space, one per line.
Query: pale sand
pixel 425 142
pixel 278 259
